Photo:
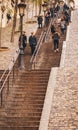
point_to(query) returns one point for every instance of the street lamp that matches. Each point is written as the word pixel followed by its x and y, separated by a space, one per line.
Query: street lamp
pixel 21 7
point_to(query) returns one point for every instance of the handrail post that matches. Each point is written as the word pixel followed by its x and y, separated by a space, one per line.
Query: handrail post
pixel 34 65
pixel 13 73
pixel 8 86
pixel 0 96
pixel 1 99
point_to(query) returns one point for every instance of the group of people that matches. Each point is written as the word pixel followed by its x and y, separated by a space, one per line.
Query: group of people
pixel 32 41
pixel 65 19
pixel 49 13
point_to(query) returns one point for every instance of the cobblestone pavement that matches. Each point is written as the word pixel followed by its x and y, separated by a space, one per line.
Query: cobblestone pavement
pixel 64 111
pixel 71 56
pixel 6 57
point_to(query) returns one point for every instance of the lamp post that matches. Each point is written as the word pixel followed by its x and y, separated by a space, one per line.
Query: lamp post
pixel 21 7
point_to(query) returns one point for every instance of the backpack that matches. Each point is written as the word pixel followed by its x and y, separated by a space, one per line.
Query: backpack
pixel 56 36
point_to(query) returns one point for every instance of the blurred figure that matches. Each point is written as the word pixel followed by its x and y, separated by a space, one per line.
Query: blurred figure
pixel 40 19
pixel 62 26
pixel 23 39
pixel 56 38
pixel 52 29
pixel 32 42
pixel 46 19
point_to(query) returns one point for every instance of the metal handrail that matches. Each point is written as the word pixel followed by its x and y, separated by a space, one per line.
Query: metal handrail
pixel 5 81
pixel 6 77
pixel 42 36
pixel 3 75
pixel 34 57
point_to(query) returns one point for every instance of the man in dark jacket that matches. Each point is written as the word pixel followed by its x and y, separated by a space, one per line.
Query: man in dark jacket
pixel 23 39
pixel 56 37
pixel 40 19
pixel 32 42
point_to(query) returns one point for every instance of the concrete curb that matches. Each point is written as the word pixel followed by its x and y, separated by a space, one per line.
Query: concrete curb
pixel 67 35
pixel 63 54
pixel 48 100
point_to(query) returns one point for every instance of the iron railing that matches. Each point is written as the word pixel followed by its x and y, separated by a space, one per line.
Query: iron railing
pixel 5 79
pixel 44 35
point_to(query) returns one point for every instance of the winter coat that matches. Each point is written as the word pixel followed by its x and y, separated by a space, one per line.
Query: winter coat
pixel 32 41
pixel 40 19
pixel 24 40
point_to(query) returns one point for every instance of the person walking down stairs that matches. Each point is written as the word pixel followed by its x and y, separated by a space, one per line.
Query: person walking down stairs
pixel 32 42
pixel 56 37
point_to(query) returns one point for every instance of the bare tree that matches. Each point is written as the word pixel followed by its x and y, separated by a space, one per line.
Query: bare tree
pixel 14 21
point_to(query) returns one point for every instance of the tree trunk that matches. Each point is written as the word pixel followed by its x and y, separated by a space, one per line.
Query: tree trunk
pixel 14 21
pixel 36 8
pixel 40 8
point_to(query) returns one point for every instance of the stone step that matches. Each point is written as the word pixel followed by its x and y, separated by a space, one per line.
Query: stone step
pixel 18 122
pixel 37 89
pixel 19 128
pixel 31 84
pixel 23 114
pixel 19 118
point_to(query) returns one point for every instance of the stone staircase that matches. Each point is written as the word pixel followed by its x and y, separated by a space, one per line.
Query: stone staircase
pixel 47 56
pixel 23 108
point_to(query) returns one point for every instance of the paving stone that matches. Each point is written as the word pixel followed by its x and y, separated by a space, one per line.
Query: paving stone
pixel 64 111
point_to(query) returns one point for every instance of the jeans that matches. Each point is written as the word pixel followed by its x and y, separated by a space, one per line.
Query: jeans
pixel 56 43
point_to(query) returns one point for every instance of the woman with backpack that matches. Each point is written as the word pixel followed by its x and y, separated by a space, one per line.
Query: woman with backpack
pixel 56 37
